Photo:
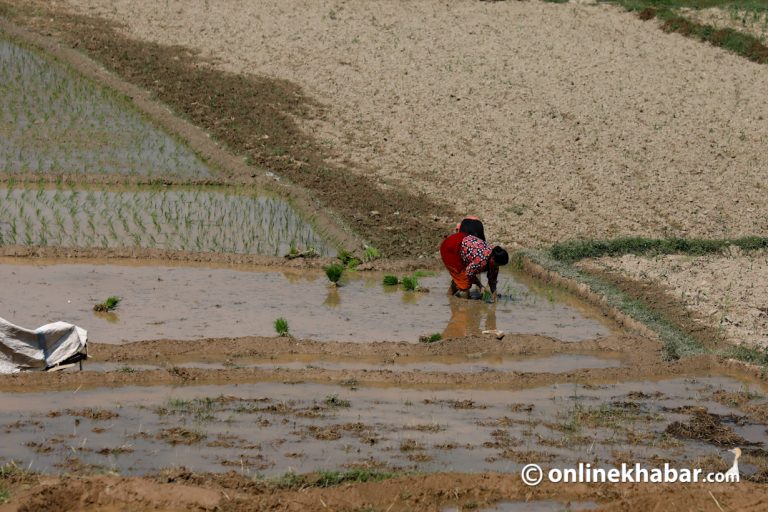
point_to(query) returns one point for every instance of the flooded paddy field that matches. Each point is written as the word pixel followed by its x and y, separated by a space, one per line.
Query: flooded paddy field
pixel 270 428
pixel 201 219
pixel 52 120
pixel 193 302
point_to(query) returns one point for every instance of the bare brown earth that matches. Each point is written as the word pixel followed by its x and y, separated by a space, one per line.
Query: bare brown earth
pixel 176 491
pixel 625 130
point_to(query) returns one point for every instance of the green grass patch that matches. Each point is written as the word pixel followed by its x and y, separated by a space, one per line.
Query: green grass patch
pixel 740 43
pixel 676 343
pixel 758 356
pixel 636 5
pixel 5 496
pixel 579 249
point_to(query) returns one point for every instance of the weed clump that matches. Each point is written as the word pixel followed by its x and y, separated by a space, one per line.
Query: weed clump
pixel 391 281
pixel 371 253
pixel 281 326
pixel 432 338
pixel 108 305
pixel 348 260
pixel 333 401
pixel 334 273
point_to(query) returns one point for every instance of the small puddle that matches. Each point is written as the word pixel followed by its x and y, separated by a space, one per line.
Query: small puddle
pixel 560 363
pixel 270 428
pixel 200 219
pixel 46 103
pixel 192 302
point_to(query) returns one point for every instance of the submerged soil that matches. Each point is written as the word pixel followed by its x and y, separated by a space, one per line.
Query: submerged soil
pixel 266 427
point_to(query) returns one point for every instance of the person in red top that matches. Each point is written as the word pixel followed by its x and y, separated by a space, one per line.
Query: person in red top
pixel 466 256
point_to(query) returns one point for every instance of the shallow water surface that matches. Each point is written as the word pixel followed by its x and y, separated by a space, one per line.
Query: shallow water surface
pixel 192 302
pixel 270 428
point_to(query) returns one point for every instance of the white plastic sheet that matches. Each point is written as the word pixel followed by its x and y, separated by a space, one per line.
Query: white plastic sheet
pixel 41 349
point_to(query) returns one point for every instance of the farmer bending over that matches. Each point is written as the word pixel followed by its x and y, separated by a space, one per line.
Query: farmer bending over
pixel 465 256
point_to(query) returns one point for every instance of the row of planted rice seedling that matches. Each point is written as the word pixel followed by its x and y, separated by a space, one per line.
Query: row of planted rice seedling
pixel 205 219
pixel 53 120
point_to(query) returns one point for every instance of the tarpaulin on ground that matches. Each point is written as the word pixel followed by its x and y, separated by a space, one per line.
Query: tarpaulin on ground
pixel 41 349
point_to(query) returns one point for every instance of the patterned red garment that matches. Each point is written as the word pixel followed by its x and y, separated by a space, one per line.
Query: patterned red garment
pixel 475 254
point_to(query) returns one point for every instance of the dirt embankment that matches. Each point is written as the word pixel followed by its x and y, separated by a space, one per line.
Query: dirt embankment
pixel 180 490
pixel 639 357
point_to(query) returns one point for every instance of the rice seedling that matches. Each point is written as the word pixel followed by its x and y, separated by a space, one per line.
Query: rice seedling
pixel 143 217
pixel 108 305
pixel 48 101
pixel 410 283
pixel 391 280
pixel 334 273
pixel 348 260
pixel 281 327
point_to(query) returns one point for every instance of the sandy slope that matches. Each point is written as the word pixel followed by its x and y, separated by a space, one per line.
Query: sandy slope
pixel 552 121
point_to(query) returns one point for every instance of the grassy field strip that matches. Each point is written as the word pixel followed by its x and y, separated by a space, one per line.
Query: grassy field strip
pixel 680 16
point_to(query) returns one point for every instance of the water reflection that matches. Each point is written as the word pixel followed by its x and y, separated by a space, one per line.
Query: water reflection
pixel 467 317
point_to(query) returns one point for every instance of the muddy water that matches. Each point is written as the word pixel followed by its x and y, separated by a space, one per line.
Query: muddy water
pixel 189 302
pixel 265 429
pixel 448 364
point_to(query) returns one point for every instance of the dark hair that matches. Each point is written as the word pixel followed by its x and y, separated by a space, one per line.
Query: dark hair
pixel 499 255
pixel 472 227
